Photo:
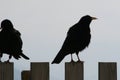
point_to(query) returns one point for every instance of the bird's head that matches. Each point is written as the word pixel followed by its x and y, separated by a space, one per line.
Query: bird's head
pixel 87 19
pixel 6 24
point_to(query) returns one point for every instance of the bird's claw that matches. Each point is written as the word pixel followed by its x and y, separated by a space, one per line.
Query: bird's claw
pixel 80 61
pixel 72 61
pixel 7 61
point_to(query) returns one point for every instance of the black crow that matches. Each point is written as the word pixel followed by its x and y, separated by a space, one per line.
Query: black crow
pixel 78 38
pixel 10 41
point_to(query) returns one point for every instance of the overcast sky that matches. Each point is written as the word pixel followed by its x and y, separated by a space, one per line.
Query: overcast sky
pixel 44 24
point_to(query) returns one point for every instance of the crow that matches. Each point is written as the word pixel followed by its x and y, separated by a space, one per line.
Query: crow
pixel 78 38
pixel 10 41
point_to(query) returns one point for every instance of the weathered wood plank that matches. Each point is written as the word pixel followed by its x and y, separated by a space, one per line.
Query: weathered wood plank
pixel 6 71
pixel 74 71
pixel 25 75
pixel 107 71
pixel 39 71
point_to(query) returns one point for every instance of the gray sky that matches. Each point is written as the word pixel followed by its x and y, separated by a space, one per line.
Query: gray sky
pixel 44 24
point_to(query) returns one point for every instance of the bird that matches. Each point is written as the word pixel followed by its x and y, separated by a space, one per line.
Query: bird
pixel 10 41
pixel 77 39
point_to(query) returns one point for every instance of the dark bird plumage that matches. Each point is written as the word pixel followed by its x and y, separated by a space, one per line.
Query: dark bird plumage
pixel 78 38
pixel 10 41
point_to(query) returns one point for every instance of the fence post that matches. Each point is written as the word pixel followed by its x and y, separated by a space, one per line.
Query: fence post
pixel 74 71
pixel 107 71
pixel 6 71
pixel 25 75
pixel 39 71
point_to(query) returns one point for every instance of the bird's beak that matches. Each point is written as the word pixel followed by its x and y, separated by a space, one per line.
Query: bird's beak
pixel 94 18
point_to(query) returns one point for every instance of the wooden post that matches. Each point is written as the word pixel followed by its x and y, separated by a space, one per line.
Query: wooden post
pixel 74 71
pixel 25 75
pixel 6 71
pixel 107 71
pixel 39 71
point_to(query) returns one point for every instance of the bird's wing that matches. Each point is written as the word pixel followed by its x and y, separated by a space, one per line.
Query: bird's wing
pixel 70 40
pixel 16 39
pixel 77 39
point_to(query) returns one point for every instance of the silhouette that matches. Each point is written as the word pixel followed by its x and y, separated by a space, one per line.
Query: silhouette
pixel 10 41
pixel 78 38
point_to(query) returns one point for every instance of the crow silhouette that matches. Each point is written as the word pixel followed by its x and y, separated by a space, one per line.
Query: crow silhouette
pixel 10 41
pixel 78 38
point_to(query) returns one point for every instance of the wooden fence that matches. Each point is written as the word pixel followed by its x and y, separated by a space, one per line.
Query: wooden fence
pixel 6 71
pixel 73 71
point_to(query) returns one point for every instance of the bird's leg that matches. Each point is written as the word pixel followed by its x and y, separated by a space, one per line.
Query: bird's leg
pixel 72 58
pixel 0 56
pixel 0 59
pixel 78 57
pixel 10 56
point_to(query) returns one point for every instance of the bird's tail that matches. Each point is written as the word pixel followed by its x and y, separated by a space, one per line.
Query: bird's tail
pixel 24 56
pixel 59 57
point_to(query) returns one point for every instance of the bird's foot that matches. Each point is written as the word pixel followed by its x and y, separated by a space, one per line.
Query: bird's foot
pixel 7 61
pixel 80 61
pixel 72 61
pixel 0 61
